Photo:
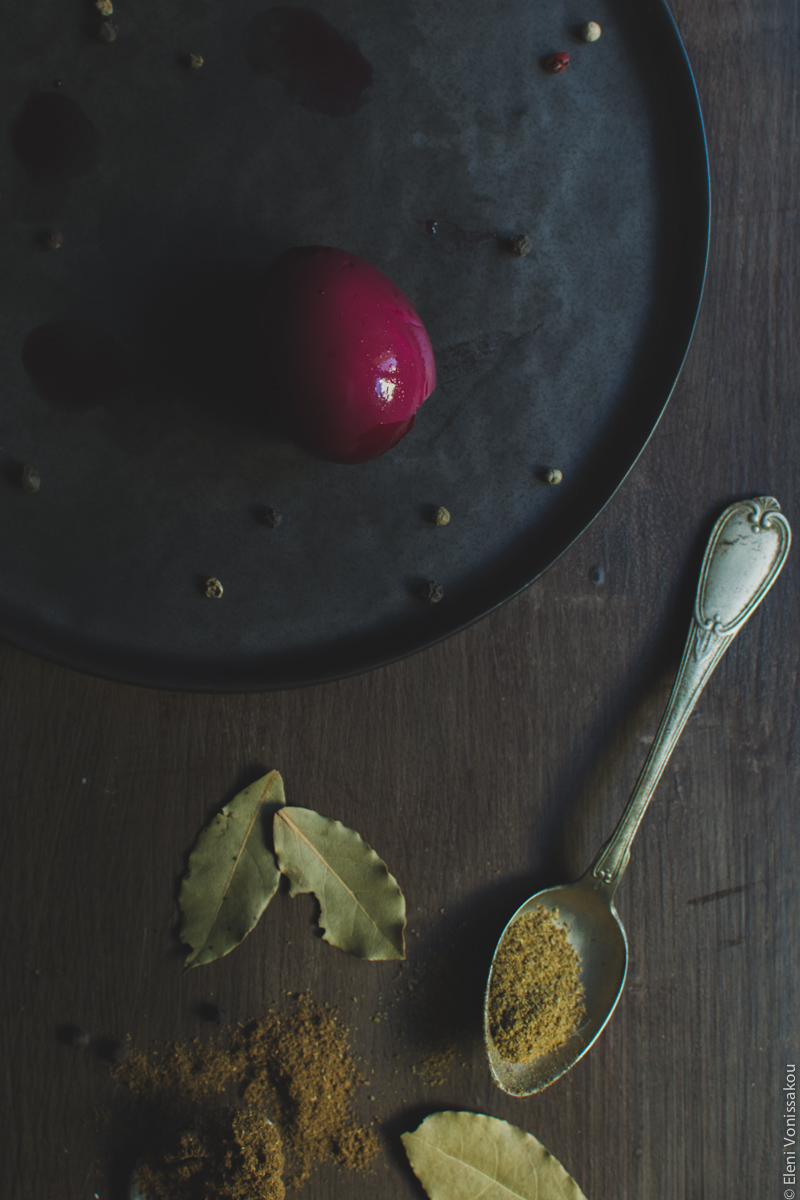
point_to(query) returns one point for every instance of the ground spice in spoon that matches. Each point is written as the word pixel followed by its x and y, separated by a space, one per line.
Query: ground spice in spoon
pixel 535 994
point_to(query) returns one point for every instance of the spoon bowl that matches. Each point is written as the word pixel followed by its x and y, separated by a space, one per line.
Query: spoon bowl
pixel 746 552
pixel 597 936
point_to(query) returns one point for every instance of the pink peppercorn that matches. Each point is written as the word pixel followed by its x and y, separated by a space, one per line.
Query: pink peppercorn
pixel 556 63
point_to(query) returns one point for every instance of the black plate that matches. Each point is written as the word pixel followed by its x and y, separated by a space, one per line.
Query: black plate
pixel 427 134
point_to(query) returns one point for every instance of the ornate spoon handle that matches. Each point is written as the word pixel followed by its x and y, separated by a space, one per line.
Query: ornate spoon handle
pixel 744 556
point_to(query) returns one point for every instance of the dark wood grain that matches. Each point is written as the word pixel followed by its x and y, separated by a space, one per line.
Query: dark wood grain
pixel 480 769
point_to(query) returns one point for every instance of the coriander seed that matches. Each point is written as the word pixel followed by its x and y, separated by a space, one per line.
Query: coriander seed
pixel 591 31
pixel 553 476
pixel 108 31
pixel 104 7
pixel 441 516
pixel 213 588
pixel 194 61
pixel 30 479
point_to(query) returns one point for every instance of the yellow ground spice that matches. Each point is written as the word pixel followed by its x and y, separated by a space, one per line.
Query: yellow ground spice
pixel 293 1066
pixel 297 1064
pixel 180 1078
pixel 228 1154
pixel 535 997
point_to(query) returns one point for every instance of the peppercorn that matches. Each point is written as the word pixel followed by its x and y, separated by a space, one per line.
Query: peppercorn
pixel 54 240
pixel 30 479
pixel 271 518
pixel 213 588
pixel 441 516
pixel 556 63
pixel 108 31
pixel 520 245
pixel 432 592
pixel 591 31
pixel 597 575
pixel 194 61
pixel 553 476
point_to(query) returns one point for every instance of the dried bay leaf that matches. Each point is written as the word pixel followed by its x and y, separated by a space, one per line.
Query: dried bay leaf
pixel 232 873
pixel 464 1155
pixel 362 909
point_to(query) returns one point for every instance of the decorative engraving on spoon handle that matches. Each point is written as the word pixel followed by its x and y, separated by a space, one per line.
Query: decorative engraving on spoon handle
pixel 745 553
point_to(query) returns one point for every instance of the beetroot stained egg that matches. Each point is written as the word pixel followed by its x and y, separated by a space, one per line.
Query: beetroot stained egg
pixel 347 359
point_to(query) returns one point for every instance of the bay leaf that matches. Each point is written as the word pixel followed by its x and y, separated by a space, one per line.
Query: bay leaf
pixel 232 874
pixel 362 909
pixel 464 1155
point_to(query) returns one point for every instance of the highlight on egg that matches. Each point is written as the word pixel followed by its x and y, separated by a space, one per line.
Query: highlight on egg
pixel 346 357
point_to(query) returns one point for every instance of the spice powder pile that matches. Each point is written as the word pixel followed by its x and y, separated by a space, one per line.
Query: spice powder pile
pixel 297 1065
pixel 293 1067
pixel 228 1153
pixel 535 996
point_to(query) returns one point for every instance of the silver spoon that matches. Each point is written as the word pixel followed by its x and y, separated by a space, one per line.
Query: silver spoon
pixel 746 551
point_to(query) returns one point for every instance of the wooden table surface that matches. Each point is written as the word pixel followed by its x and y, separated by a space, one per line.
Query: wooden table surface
pixel 480 770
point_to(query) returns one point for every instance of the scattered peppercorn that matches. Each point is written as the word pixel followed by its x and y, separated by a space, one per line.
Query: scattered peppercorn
pixel 54 240
pixel 108 31
pixel 441 516
pixel 591 31
pixel 432 592
pixel 520 245
pixel 105 7
pixel 553 476
pixel 271 518
pixel 556 63
pixel 30 479
pixel 213 588
pixel 194 61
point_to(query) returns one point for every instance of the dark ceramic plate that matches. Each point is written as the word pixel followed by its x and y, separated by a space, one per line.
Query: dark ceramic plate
pixel 420 136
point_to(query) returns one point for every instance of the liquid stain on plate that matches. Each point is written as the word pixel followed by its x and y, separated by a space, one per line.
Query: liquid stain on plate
pixel 319 67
